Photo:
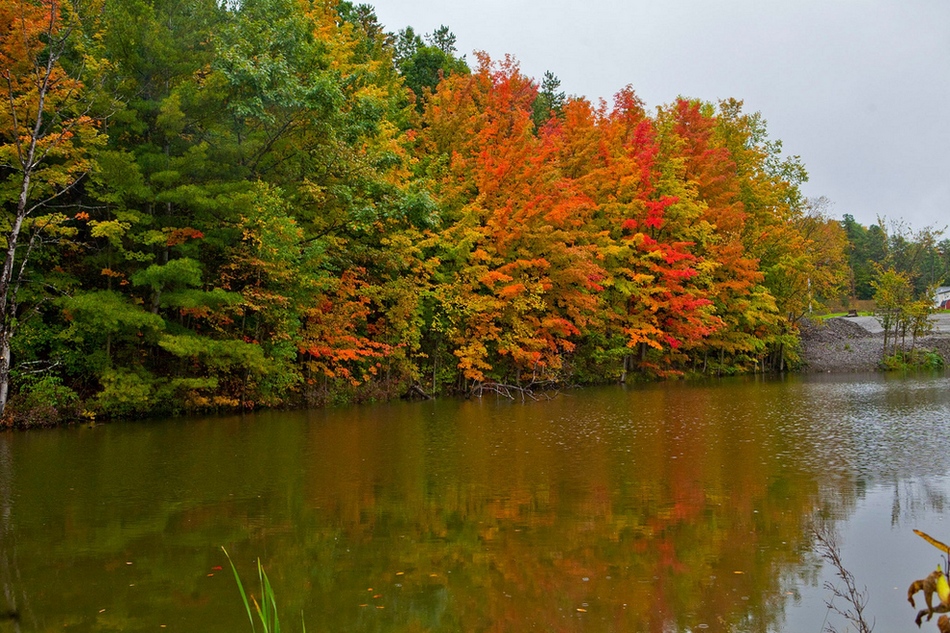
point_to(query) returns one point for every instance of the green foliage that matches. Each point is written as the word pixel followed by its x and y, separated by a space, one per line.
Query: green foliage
pixel 549 102
pixel 931 360
pixel 48 390
pixel 916 359
pixel 422 65
pixel 214 354
pixel 919 255
pixel 137 392
pixel 92 316
pixel 127 393
pixel 897 311
pixel 43 400
pixel 176 273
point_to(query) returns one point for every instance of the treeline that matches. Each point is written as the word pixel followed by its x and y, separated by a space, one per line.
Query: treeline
pixel 874 251
pixel 214 205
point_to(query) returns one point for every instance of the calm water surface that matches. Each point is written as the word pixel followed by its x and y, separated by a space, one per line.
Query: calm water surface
pixel 670 507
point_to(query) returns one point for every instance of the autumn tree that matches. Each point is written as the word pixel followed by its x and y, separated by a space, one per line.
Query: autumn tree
pixel 519 272
pixel 655 298
pixel 735 282
pixel 47 133
pixel 915 253
pixel 799 250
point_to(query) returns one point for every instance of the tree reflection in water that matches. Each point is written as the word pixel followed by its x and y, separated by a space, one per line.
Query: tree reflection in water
pixel 667 507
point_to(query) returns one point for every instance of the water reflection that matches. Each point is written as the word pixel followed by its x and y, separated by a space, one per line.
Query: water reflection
pixel 10 579
pixel 657 508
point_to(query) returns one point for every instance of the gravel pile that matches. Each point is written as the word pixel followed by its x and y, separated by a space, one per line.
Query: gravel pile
pixel 840 345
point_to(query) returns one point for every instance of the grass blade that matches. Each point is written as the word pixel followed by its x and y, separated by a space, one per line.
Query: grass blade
pixel 237 579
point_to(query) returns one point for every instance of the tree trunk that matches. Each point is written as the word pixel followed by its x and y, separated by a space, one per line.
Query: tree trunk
pixel 887 327
pixel 8 289
pixel 4 370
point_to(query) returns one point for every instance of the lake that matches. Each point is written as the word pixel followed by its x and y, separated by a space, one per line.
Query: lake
pixel 662 507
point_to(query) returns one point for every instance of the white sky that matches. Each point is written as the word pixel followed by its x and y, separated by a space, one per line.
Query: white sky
pixel 859 89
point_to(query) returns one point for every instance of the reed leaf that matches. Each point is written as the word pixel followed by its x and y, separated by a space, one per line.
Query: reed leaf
pixel 237 579
pixel 266 609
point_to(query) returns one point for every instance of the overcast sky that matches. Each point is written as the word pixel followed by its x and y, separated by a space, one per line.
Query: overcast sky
pixel 859 89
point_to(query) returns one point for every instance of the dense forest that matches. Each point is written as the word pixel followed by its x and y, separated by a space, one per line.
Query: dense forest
pixel 230 205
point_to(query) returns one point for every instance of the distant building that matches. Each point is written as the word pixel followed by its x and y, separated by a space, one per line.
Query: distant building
pixel 942 298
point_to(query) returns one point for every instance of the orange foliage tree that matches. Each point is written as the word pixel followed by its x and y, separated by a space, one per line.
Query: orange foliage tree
pixel 736 286
pixel 519 268
pixel 655 298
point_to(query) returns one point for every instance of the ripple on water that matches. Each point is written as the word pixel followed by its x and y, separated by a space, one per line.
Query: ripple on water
pixel 882 427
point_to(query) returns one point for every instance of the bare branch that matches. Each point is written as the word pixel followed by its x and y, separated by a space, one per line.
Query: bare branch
pixel 855 600
pixel 509 391
pixel 45 201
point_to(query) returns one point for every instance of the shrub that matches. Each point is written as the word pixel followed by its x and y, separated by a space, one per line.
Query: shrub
pixel 42 401
pixel 917 359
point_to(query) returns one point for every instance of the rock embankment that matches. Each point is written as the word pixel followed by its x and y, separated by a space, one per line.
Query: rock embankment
pixel 844 344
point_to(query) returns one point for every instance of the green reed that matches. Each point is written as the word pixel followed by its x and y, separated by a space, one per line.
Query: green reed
pixel 267 608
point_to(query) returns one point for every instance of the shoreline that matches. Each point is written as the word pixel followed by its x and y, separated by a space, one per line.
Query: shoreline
pixel 855 344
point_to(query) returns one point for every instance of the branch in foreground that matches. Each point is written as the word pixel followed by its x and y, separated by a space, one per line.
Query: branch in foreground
pixel 847 593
